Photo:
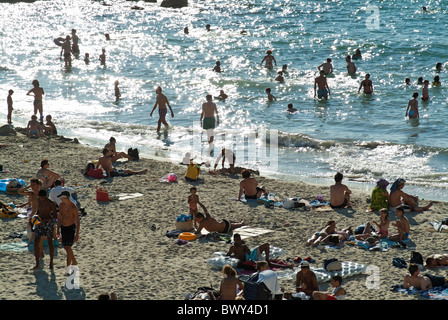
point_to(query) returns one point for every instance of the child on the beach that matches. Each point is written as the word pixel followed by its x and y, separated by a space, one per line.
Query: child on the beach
pixel 402 225
pixel 10 108
pixel 193 201
pixel 38 92
pixel 217 67
pixel 384 223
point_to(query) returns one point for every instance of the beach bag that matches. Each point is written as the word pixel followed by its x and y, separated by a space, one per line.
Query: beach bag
pixel 192 173
pixel 95 173
pixel 102 194
pixel 254 290
pixel 416 257
pixel 332 264
pixel 133 153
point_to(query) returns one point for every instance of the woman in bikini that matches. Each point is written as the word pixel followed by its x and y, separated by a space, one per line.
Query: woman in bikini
pixel 384 223
pixel 38 92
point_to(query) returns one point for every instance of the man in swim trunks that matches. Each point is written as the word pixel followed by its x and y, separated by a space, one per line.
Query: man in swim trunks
pixel 75 45
pixel 339 193
pixel 106 163
pixel 367 84
pixel 398 197
pixel 425 94
pixel 209 110
pixel 68 226
pixel 38 92
pixel 351 68
pixel 47 213
pixel 241 251
pixel 67 50
pixel 321 83
pixel 210 224
pixel 327 67
pixel 162 102
pixel 249 187
pixel 414 279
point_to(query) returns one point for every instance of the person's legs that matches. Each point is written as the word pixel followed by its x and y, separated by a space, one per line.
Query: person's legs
pixel 37 242
pixel 51 249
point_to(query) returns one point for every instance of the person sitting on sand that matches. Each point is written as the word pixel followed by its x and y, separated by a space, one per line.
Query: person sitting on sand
pixel 105 162
pixel 249 187
pixel 414 279
pixel 47 176
pixel 207 222
pixel 270 279
pixel 247 258
pixel 436 260
pixel 34 129
pixel 306 280
pixel 226 153
pixel 317 237
pixel 50 128
pixel 339 193
pixel 380 196
pixel 402 225
pixel 338 293
pixel 384 223
pixel 111 145
pixel 399 198
pixel 229 284
pixel 58 189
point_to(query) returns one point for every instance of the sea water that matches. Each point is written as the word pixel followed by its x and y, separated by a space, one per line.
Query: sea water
pixel 366 137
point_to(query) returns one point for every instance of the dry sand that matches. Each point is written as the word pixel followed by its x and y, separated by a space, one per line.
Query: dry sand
pixel 118 251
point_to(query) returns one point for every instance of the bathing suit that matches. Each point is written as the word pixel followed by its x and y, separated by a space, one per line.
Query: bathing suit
pixel 322 93
pixel 118 173
pixel 340 206
pixel 411 113
pixel 228 226
pixel 45 229
pixel 37 102
pixel 254 197
pixel 208 123
pixel 162 112
pixel 385 232
pixel 406 235
pixel 34 132
pixel 68 235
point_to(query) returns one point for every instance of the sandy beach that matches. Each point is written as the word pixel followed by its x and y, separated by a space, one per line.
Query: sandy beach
pixel 118 250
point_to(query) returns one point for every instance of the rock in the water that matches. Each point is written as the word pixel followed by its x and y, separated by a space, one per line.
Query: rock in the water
pixel 174 3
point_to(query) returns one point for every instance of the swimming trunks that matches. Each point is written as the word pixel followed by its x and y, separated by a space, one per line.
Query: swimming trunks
pixel 44 229
pixel 322 93
pixel 68 235
pixel 34 132
pixel 340 206
pixel 228 226
pixel 254 254
pixel 411 113
pixel 118 173
pixel 162 112
pixel 37 102
pixel 208 123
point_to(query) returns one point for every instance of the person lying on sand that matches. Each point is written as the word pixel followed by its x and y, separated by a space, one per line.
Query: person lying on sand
pixel 436 260
pixel 210 224
pixel 241 251
pixel 338 237
pixel 105 162
pixel 317 237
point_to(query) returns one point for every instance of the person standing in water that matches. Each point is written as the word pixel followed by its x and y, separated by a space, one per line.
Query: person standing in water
pixel 67 50
pixel 412 109
pixel 208 115
pixel 366 84
pixel 75 45
pixel 322 85
pixel 38 92
pixel 268 60
pixel 162 102
pixel 10 108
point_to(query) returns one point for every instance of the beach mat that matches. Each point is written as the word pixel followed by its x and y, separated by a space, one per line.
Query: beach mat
pixel 437 293
pixel 125 196
pixel 245 231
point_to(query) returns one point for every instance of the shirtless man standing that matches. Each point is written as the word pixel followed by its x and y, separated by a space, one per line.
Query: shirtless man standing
pixel 68 226
pixel 321 83
pixel 38 92
pixel 105 162
pixel 351 68
pixel 75 45
pixel 208 114
pixel 210 224
pixel 398 197
pixel 47 213
pixel 367 84
pixel 339 193
pixel 414 279
pixel 327 67
pixel 268 59
pixel 66 48
pixel 111 146
pixel 412 109
pixel 162 102
pixel 249 186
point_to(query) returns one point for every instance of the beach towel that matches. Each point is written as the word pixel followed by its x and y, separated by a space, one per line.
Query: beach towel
pixel 437 293
pixel 125 196
pixel 348 269
pixel 438 226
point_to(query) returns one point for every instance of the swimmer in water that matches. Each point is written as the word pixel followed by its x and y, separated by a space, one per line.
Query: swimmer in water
pixel 425 94
pixel 268 59
pixel 280 77
pixel 290 108
pixel 412 109
pixel 436 82
pixel 270 96
pixel 326 66
pixel 367 84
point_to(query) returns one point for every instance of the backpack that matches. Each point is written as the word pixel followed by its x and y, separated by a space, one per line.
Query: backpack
pixel 254 290
pixel 133 153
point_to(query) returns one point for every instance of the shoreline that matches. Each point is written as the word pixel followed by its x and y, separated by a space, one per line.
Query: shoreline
pixel 119 251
